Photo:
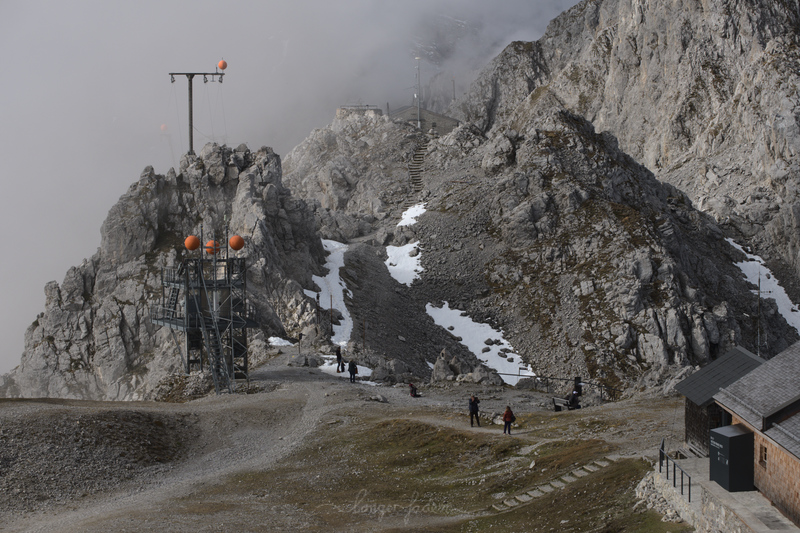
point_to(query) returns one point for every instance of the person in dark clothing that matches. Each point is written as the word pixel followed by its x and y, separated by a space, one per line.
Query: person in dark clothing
pixel 473 410
pixel 508 418
pixel 413 390
pixel 578 386
pixel 339 360
pixel 353 369
pixel 574 400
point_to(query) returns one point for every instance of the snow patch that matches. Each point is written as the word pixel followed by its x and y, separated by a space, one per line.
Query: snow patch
pixel 402 266
pixel 329 367
pixel 754 269
pixel 333 290
pixel 473 334
pixel 410 215
pixel 277 341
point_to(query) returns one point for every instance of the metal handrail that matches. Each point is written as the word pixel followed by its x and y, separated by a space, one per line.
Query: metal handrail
pixel 663 457
pixel 611 393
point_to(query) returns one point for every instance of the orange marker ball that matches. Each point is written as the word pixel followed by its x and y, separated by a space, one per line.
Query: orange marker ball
pixel 212 247
pixel 236 242
pixel 222 64
pixel 192 242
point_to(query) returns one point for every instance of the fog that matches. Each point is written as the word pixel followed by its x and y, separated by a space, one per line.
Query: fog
pixel 86 102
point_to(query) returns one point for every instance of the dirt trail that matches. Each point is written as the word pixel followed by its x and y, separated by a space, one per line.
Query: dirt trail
pixel 233 438
pixel 234 435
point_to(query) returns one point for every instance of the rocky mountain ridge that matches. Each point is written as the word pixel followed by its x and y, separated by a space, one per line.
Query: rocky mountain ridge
pixel 704 94
pixel 551 234
pixel 563 212
pixel 95 340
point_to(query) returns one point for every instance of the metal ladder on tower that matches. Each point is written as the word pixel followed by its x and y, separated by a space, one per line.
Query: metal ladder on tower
pixel 174 292
pixel 220 372
pixel 219 368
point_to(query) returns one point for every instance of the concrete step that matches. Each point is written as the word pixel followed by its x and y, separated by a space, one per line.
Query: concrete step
pixel 499 507
pixel 511 502
pixel 591 468
pixel 558 484
pixel 580 473
pixel 545 488
pixel 523 498
pixel 601 463
pixel 566 478
pixel 535 493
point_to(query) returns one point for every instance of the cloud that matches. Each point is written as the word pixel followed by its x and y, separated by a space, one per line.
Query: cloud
pixel 85 93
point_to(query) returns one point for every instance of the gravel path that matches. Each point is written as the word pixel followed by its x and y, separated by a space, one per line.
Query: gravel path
pixel 78 466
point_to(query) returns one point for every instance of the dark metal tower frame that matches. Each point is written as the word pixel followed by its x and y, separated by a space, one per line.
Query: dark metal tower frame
pixel 213 314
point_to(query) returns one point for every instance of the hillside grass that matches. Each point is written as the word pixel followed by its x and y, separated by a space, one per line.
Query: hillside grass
pixel 410 473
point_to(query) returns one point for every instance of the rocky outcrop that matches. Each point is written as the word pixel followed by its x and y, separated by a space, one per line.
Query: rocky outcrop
pixel 94 339
pixel 589 264
pixel 704 94
pixel 580 209
pixel 355 172
pixel 456 369
pixel 548 231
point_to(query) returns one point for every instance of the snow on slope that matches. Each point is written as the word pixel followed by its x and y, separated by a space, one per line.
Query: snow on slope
pixel 333 290
pixel 755 271
pixel 473 336
pixel 402 266
pixel 404 261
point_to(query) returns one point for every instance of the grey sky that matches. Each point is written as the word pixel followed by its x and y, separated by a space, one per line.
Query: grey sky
pixel 85 92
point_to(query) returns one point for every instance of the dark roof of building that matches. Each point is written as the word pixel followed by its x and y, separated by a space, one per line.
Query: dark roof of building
pixel 787 434
pixel 701 386
pixel 766 390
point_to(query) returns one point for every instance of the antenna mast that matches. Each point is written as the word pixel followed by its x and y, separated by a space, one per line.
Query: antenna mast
pixel 222 65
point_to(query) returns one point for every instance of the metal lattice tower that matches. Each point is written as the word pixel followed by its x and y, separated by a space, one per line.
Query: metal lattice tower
pixel 206 298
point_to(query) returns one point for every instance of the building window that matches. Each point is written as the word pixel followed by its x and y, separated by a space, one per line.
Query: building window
pixel 762 456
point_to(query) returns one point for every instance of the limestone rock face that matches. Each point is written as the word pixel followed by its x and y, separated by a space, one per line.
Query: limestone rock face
pixel 581 209
pixel 94 339
pixel 545 229
pixel 353 172
pixel 704 94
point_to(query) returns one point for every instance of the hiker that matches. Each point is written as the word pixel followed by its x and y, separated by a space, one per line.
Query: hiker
pixel 413 390
pixel 508 418
pixel 473 410
pixel 339 360
pixel 574 401
pixel 353 369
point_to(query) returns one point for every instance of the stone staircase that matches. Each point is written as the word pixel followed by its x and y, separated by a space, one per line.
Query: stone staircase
pixel 415 172
pixel 532 493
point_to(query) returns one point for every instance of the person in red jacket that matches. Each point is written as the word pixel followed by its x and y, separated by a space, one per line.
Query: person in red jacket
pixel 508 418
